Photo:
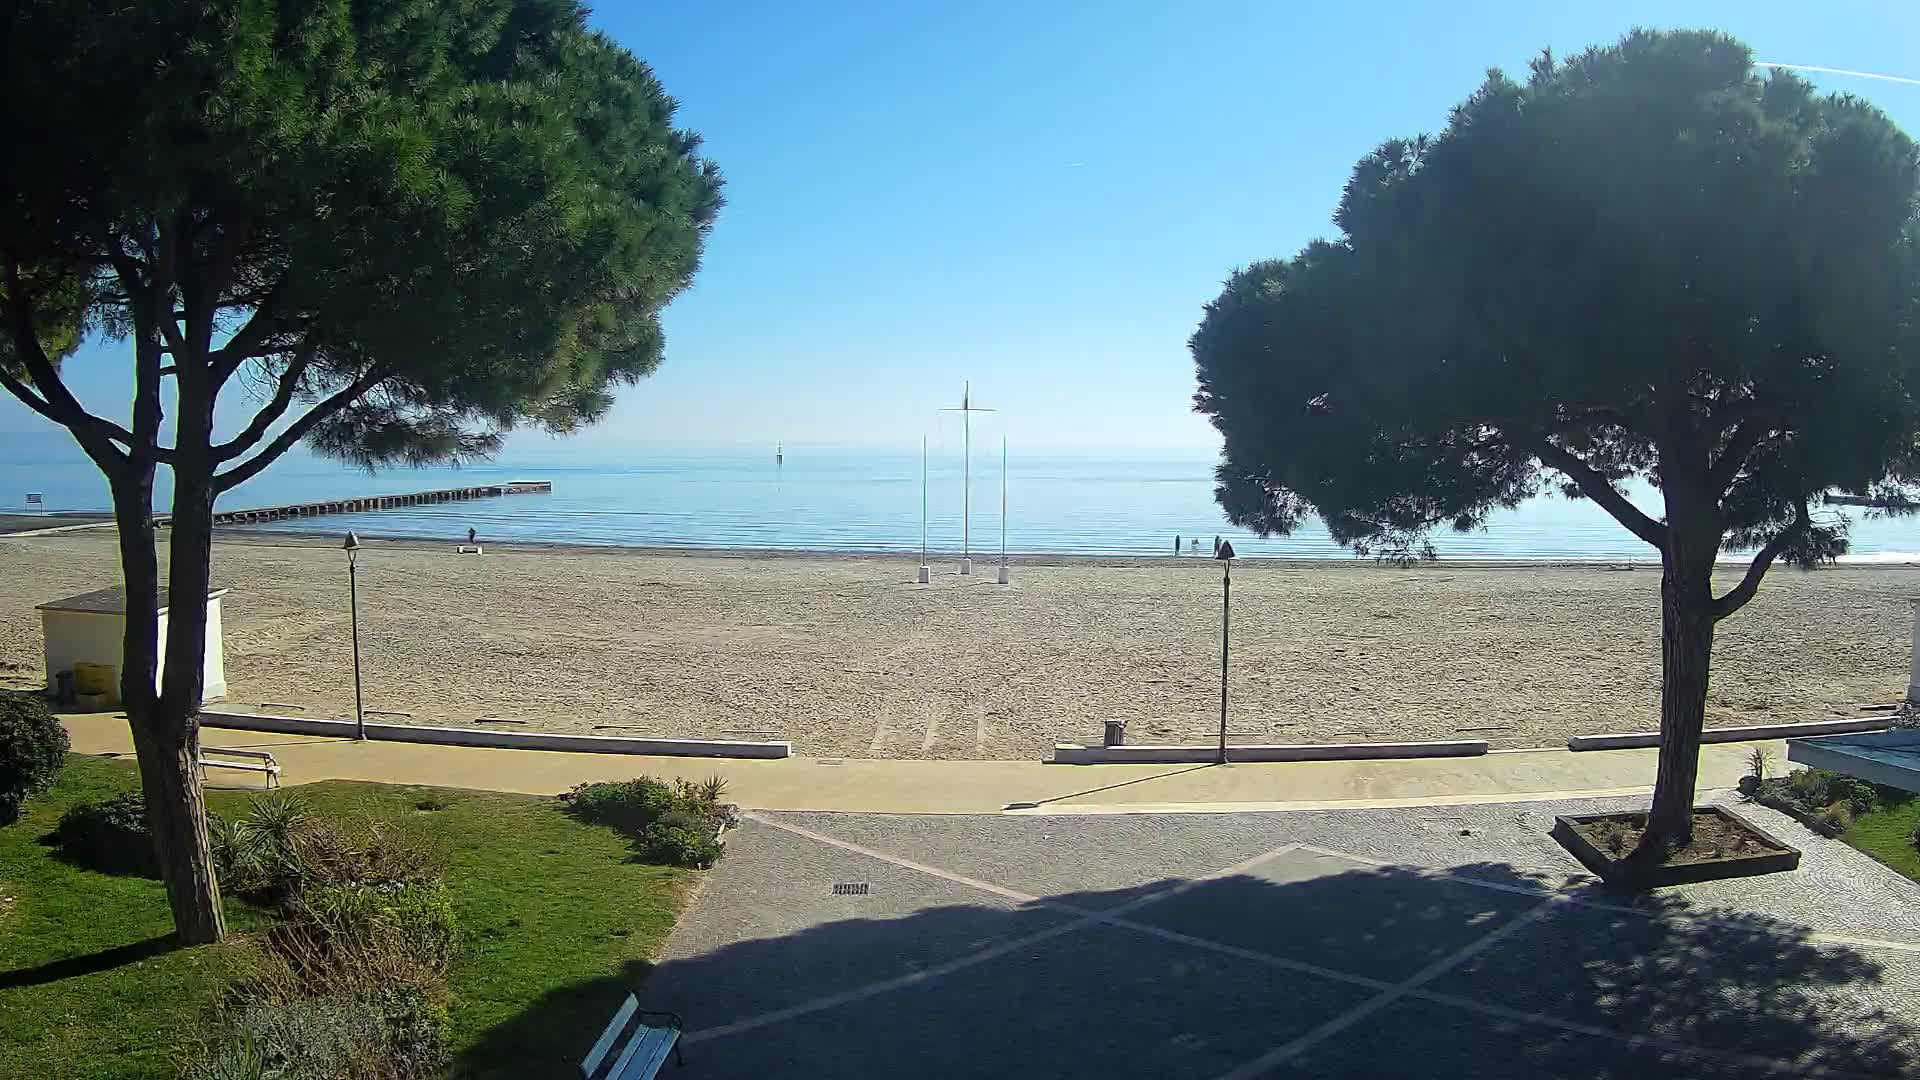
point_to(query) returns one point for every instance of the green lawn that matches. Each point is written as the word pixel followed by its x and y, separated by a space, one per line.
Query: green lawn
pixel 1886 833
pixel 556 924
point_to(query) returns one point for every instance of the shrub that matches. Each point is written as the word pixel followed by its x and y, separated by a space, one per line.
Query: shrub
pixel 1759 763
pixel 278 850
pixel 627 805
pixel 1838 816
pixel 682 839
pixel 33 747
pixel 353 984
pixel 671 823
pixel 1916 836
pixel 110 836
pixel 395 1032
pixel 410 925
pixel 1819 788
pixel 323 853
pixel 254 854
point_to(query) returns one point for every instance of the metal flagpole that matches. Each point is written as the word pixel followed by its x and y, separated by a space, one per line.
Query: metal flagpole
pixel 923 510
pixel 1003 509
pixel 966 411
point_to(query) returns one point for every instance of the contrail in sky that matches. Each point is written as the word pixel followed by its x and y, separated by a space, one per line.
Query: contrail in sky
pixel 1841 71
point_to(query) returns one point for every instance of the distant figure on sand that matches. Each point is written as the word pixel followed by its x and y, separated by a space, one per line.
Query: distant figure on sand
pixel 1216 547
pixel 1176 543
pixel 472 536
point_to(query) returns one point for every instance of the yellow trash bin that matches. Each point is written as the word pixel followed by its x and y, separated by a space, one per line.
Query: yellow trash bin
pixel 98 679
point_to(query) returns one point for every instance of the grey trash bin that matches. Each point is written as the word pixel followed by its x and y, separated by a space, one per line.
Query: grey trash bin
pixel 1116 732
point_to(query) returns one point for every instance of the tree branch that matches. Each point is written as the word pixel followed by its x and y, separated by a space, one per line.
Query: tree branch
pixel 139 294
pixel 274 410
pixel 297 430
pixel 96 435
pixel 27 397
pixel 1597 487
pixel 1737 597
pixel 246 344
pixel 1750 433
pixel 205 289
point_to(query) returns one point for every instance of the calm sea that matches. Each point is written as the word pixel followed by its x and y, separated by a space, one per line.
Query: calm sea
pixel 846 500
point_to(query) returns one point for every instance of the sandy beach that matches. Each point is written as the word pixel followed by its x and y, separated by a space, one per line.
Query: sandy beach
pixel 845 656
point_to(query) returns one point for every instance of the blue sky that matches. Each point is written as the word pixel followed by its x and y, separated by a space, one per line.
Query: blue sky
pixel 1040 197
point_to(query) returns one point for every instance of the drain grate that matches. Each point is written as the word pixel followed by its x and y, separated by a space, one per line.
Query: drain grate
pixel 850 888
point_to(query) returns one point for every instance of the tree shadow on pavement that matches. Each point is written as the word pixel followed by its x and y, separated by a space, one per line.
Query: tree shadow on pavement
pixel 1204 977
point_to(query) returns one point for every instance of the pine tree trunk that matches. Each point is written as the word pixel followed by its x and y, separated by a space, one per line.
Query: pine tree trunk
pixel 182 835
pixel 165 740
pixel 177 813
pixel 1686 653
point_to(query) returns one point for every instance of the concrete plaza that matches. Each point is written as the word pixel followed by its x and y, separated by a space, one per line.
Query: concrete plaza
pixel 1402 942
pixel 1308 919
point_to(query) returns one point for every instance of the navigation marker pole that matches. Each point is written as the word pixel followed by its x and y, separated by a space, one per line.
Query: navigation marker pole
pixel 922 579
pixel 966 411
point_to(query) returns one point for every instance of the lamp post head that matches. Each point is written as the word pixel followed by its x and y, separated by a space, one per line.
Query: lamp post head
pixel 1225 553
pixel 351 545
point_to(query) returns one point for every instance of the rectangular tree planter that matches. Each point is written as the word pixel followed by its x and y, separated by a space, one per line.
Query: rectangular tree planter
pixel 1634 876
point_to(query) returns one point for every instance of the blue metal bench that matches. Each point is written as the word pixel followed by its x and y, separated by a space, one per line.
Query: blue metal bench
pixel 643 1044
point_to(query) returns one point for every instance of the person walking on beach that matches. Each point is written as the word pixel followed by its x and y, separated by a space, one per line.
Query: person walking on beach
pixel 1176 543
pixel 1216 547
pixel 471 535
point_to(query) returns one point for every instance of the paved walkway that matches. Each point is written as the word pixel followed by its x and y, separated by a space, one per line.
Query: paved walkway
pixel 1424 942
pixel 959 787
pixel 1411 919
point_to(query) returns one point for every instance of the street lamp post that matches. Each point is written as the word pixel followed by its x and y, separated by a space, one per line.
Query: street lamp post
pixel 352 548
pixel 1225 555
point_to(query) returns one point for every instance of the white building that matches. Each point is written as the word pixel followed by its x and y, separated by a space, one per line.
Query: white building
pixel 91 629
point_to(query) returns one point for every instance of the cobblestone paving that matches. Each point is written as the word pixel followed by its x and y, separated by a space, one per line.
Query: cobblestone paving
pixel 1444 942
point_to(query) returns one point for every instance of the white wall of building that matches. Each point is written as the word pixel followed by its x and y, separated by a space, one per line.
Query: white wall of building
pixel 92 637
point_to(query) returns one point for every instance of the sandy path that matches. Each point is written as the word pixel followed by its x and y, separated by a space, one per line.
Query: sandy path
pixel 844 656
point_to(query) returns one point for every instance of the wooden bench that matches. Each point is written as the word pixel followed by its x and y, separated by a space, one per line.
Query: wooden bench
pixel 250 761
pixel 644 1045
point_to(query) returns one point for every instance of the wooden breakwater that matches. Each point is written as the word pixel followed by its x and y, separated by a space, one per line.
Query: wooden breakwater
pixel 367 503
pixel 1832 499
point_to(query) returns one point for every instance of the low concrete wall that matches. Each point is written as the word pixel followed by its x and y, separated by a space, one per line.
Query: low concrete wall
pixel 1076 754
pixel 1642 739
pixel 1888 758
pixel 510 740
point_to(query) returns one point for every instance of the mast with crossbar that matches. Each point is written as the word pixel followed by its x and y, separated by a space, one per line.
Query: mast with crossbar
pixel 966 410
